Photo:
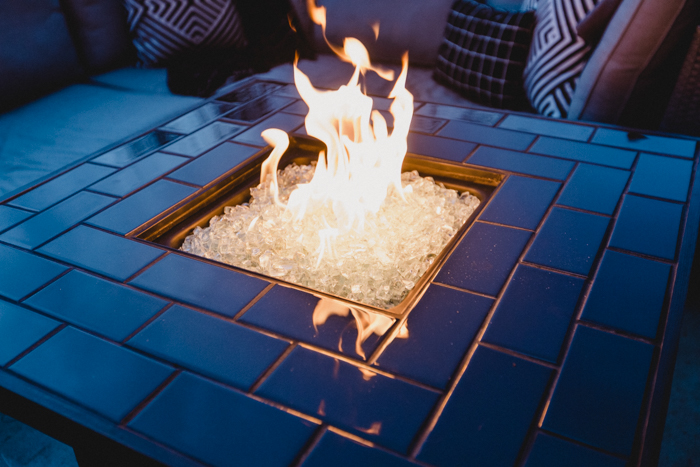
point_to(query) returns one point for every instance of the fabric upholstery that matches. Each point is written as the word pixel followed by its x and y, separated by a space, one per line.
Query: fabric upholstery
pixel 592 27
pixel 148 80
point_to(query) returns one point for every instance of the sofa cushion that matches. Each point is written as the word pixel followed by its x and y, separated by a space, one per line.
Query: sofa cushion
pixel 483 53
pixel 162 29
pixel 36 51
pixel 100 32
pixel 148 80
pixel 630 76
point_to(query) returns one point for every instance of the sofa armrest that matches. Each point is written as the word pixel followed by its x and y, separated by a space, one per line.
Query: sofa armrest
pixel 683 112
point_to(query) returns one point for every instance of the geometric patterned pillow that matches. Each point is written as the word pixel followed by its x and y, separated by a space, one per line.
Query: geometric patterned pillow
pixel 161 29
pixel 483 53
pixel 557 56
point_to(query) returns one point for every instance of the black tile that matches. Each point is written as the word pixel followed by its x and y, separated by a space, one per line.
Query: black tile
pixel 204 139
pixel 568 240
pixel 198 117
pixel 22 272
pixel 383 410
pixel 339 451
pixel 139 174
pixel 487 417
pixel 426 124
pixel 101 252
pixel 282 121
pixel 663 177
pixel 521 202
pixel 521 162
pixel 219 349
pixel 11 216
pixel 289 312
pixel 141 207
pixel 442 148
pixel 484 258
pixel 91 372
pixel 549 451
pixel 248 93
pixel 61 187
pixel 200 284
pixel 599 393
pixel 535 312
pixel 647 226
pixel 19 329
pixel 449 112
pixel 213 164
pixel 133 150
pixel 651 143
pixel 104 307
pixel 594 188
pixel 547 126
pixel 298 108
pixel 440 330
pixel 46 225
pixel 486 135
pixel 255 110
pixel 288 90
pixel 219 426
pixel 584 152
pixel 628 294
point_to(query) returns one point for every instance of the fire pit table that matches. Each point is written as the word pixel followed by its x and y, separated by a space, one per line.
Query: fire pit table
pixel 546 337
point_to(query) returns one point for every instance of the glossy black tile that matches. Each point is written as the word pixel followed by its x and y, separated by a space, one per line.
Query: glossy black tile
pixel 211 165
pixel 20 329
pixel 647 226
pixel 255 110
pixel 594 188
pixel 584 152
pixel 298 108
pixel 484 258
pixel 61 187
pixel 521 202
pixel 219 426
pixel 110 255
pixel 486 135
pixel 663 177
pixel 546 126
pixel 651 143
pixel 248 93
pixel 289 312
pixel 440 330
pixel 141 207
pixel 50 223
pixel 200 284
pixel 487 417
pixel 107 308
pixel 204 139
pixel 521 162
pixel 442 148
pixel 535 312
pixel 219 349
pixel 282 121
pixel 383 410
pixel 11 216
pixel 483 117
pixel 599 393
pixel 549 451
pixel 22 272
pixel 139 174
pixel 91 372
pixel 339 451
pixel 198 117
pixel 134 150
pixel 628 294
pixel 568 240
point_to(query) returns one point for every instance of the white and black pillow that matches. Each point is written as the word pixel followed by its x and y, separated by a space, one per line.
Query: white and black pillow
pixel 483 53
pixel 162 29
pixel 557 56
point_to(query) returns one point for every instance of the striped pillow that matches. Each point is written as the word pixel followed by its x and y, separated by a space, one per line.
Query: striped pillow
pixel 161 29
pixel 557 55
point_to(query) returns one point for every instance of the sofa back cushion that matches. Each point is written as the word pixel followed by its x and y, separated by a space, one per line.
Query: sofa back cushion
pixel 37 54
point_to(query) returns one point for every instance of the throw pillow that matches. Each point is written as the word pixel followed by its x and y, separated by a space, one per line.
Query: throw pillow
pixel 483 53
pixel 557 56
pixel 162 29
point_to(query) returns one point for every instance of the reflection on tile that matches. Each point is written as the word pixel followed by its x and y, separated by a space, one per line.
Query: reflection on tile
pixel 534 313
pixel 219 349
pixel 628 294
pixel 594 188
pixel 137 175
pixel 289 90
pixel 248 93
pixel 91 372
pixel 61 187
pixel 549 451
pixel 217 425
pixel 487 417
pixel 339 451
pixel 484 258
pixel 521 162
pixel 285 122
pixel 440 330
pixel 584 152
pixel 442 148
pixel 458 113
pixel 599 393
pixel 381 409
pixel 507 139
pixel 521 202
pixel 197 118
pixel 663 177
pixel 11 216
pixel 107 308
pixel 19 329
pixel 549 127
pixel 213 164
pixel 651 143
pixel 22 272
pixel 133 150
pixel 255 110
pixel 204 139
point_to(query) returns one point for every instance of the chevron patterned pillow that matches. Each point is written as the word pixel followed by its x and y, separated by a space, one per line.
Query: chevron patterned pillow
pixel 161 29
pixel 557 55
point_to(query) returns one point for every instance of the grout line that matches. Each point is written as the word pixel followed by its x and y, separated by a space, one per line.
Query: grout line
pixel 310 445
pixel 251 303
pixel 55 279
pixel 582 444
pixel 271 369
pixel 148 322
pixel 48 336
pixel 454 287
pixel 515 353
pixel 619 332
pixel 141 405
pixel 146 267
